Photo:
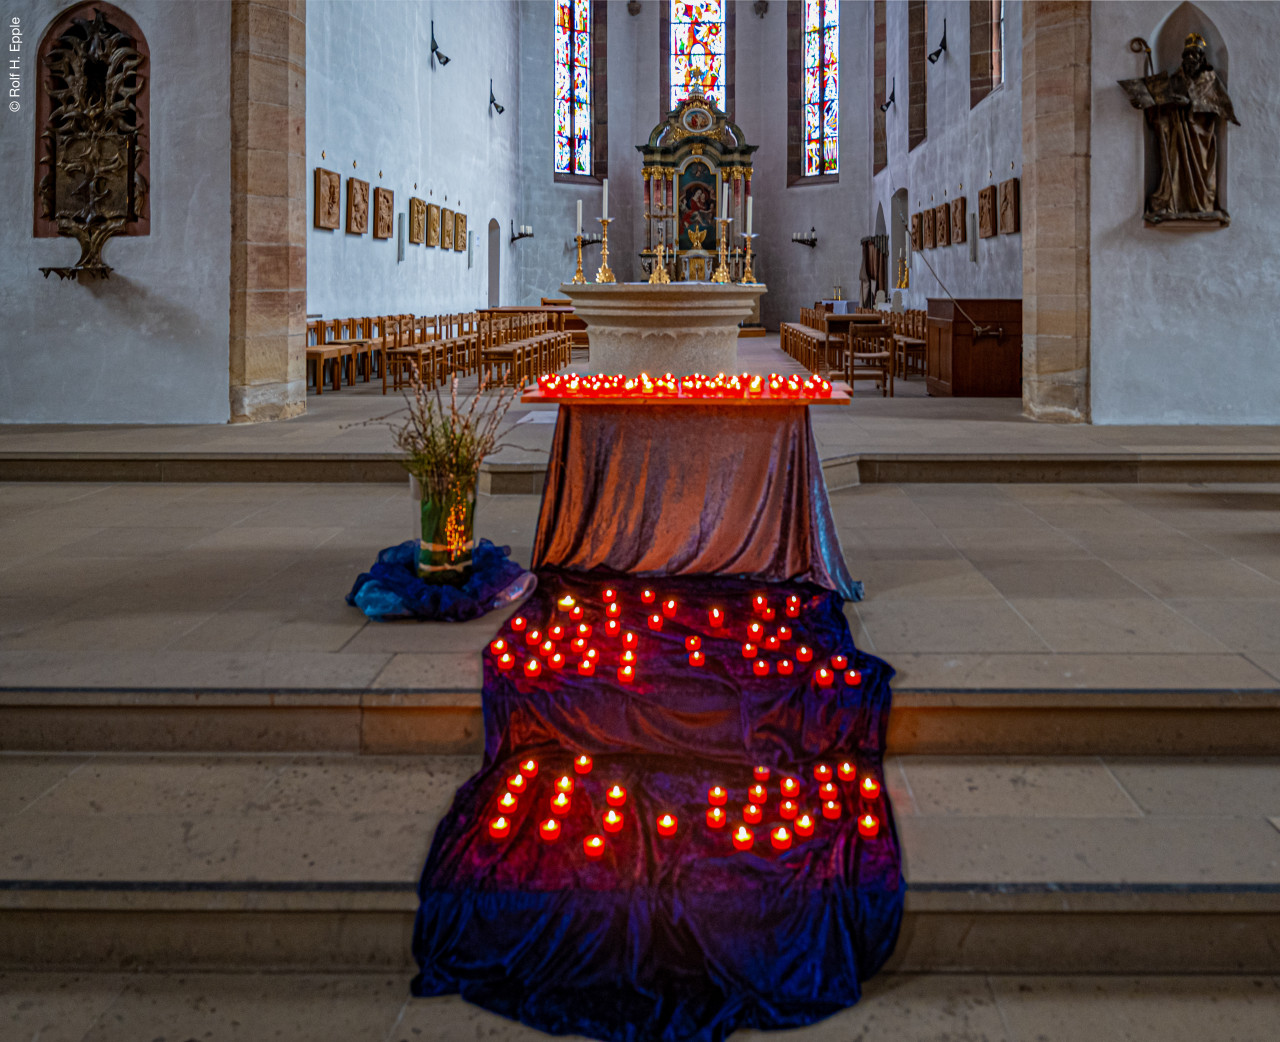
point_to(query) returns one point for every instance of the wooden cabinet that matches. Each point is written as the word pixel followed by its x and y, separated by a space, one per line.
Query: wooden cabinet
pixel 961 364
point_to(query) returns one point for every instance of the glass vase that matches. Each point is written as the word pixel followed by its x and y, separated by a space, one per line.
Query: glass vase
pixel 447 532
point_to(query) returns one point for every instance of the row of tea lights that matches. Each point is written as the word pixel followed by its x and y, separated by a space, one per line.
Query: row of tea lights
pixel 802 824
pixel 695 385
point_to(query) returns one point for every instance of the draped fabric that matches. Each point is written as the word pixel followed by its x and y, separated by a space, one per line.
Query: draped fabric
pixel 681 937
pixel 690 490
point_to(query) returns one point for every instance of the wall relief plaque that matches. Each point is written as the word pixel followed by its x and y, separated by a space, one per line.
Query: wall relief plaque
pixel 328 199
pixel 957 220
pixel 917 231
pixel 942 224
pixel 433 224
pixel 1009 206
pixel 987 212
pixel 417 221
pixel 384 213
pixel 459 231
pixel 446 229
pixel 930 227
pixel 357 206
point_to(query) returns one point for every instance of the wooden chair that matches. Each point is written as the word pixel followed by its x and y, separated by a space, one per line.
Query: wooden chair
pixel 870 356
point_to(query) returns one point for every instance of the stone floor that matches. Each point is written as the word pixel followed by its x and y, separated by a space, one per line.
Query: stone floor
pixel 1140 587
pixel 319 1008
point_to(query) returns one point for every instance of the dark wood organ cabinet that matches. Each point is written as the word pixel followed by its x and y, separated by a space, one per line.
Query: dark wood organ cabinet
pixel 961 365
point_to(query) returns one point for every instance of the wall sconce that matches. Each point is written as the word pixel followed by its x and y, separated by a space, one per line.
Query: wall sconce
pixel 760 7
pixel 935 55
pixel 892 96
pixel 493 102
pixel 525 232
pixel 436 53
pixel 809 239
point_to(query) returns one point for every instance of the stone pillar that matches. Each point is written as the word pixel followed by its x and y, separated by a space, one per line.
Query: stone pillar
pixel 268 210
pixel 1055 210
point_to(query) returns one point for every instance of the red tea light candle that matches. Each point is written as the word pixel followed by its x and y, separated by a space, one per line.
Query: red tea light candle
pixel 784 632
pixel 582 765
pixel 626 674
pixel 852 677
pixel 758 793
pixel 576 613
pixel 821 772
pixel 787 810
pixel 628 658
pixel 790 787
pixel 556 661
pixel 828 791
pixel 667 825
pixel 498 646
pixel 825 677
pixel 612 820
pixel 772 643
pixel 752 814
pixel 717 796
pixel 630 640
pixel 592 654
pixel 716 617
pixel 560 804
pixel 831 810
pixel 868 825
pixel 870 788
pixel 647 596
pixel 517 783
pixel 499 828
pixel 566 601
pixel 760 668
pixel 533 638
pixel 549 830
pixel 715 817
pixel 613 610
pixel 593 846
pixel 518 623
pixel 507 802
pixel 755 631
pixel 760 773
pixel 555 632
pixel 743 838
pixel 803 825
pixel 616 797
pixel 803 653
pixel 584 630
pixel 669 607
pixel 786 667
pixel 610 595
pixel 846 771
pixel 748 650
pixel 769 614
pixel 612 628
pixel 655 622
pixel 565 784
pixel 578 645
pixel 758 603
pixel 532 667
pixel 793 610
pixel 506 661
pixel 692 643
pixel 697 658
pixel 839 662
pixel 529 768
pixel 781 838
pixel 587 667
pixel 546 649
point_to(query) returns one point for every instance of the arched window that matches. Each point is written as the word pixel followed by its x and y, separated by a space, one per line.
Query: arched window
pixel 697 44
pixel 580 147
pixel 986 48
pixel 917 73
pixel 821 87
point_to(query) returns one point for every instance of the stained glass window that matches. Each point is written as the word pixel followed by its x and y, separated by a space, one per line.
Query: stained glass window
pixel 697 49
pixel 821 87
pixel 573 87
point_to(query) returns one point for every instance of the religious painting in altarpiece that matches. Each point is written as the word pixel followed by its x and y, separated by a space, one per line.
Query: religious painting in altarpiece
pixel 696 193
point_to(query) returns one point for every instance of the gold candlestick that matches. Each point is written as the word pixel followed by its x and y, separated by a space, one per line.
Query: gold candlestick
pixel 722 249
pixel 659 275
pixel 604 274
pixel 748 277
pixel 579 278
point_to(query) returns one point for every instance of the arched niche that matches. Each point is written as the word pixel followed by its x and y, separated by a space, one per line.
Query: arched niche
pixel 123 135
pixel 898 239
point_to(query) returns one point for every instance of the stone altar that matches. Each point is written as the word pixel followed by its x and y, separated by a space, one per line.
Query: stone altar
pixel 678 327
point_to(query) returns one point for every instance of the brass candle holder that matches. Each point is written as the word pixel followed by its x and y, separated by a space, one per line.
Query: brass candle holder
pixel 721 273
pixel 579 278
pixel 604 274
pixel 748 277
pixel 659 275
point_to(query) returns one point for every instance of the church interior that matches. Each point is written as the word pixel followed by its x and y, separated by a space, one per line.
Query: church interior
pixel 992 512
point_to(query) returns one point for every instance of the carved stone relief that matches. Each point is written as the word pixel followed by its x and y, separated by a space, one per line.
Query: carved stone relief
pixel 917 232
pixel 942 224
pixel 459 231
pixel 1009 206
pixel 384 215
pixel 987 212
pixel 446 229
pixel 930 226
pixel 417 221
pixel 433 224
pixel 328 199
pixel 957 220
pixel 357 206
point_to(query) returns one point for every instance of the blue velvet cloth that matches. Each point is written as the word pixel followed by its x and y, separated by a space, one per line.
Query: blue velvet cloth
pixel 391 589
pixel 667 938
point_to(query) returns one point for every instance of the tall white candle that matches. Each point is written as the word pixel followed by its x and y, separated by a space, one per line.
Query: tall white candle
pixel 724 203
pixel 605 207
pixel 749 202
pixel 579 216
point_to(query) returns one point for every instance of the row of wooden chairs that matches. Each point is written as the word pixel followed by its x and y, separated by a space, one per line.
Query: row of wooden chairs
pixel 518 348
pixel 805 343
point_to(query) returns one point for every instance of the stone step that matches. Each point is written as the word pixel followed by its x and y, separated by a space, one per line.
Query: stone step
pixel 308 863
pixel 449 721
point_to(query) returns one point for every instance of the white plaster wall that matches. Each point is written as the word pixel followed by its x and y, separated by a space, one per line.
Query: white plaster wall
pixel 965 147
pixel 150 344
pixel 1182 322
pixel 374 98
